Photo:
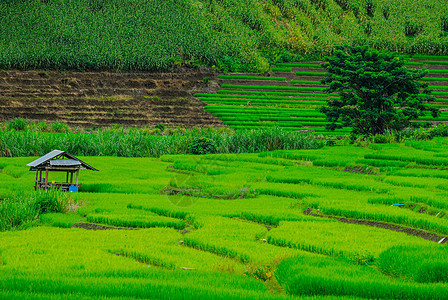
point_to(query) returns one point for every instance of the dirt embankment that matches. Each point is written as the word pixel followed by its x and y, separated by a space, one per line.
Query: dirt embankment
pixel 389 226
pixel 102 98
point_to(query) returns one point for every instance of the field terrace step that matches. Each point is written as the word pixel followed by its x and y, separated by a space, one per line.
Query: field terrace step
pixel 133 112
pixel 16 83
pixel 72 96
pixel 437 75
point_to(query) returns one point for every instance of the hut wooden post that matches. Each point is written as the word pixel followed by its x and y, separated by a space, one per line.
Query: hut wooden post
pixel 46 178
pixel 36 181
pixel 77 173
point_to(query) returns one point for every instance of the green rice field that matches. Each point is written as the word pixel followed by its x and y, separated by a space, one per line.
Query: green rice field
pixel 340 222
pixel 291 94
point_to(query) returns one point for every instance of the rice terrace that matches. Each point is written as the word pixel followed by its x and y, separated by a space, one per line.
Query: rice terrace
pixel 223 149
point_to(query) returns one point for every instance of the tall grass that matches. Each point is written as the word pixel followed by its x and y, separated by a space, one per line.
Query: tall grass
pixel 20 211
pixel 140 143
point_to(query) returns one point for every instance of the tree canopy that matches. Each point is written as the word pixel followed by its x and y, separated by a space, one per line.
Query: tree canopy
pixel 377 91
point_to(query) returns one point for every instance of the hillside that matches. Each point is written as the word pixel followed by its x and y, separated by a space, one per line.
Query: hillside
pixel 232 35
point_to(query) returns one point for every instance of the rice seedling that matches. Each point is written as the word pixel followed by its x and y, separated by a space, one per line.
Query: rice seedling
pixel 252 77
pixel 237 96
pixel 310 73
pixel 421 264
pixel 135 221
pixel 227 241
pixel 299 65
pixel 282 70
pixel 358 243
pixel 321 276
pixel 271 93
pixel 60 220
pixel 304 82
pixel 267 87
pixel 434 79
pixel 439 62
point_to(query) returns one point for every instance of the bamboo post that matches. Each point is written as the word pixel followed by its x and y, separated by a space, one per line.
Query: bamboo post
pixel 71 176
pixel 77 173
pixel 66 181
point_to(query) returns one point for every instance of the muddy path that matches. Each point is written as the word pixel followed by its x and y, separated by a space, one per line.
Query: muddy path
pixel 389 226
pixel 91 226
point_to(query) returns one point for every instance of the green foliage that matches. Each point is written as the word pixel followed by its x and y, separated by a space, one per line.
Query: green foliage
pixel 17 124
pixel 60 127
pixel 202 146
pixel 330 142
pixel 52 201
pixel 371 85
pixel 161 127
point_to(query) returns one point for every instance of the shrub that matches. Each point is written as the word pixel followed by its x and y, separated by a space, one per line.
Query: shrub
pixel 161 127
pixel 60 127
pixel 202 145
pixel 331 141
pixel 42 126
pixel 380 139
pixel 440 130
pixel 17 124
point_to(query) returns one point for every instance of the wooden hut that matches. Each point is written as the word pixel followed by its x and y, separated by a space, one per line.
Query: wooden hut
pixel 59 161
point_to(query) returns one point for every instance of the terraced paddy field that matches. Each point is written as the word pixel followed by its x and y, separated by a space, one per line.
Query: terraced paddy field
pixel 101 99
pixel 339 222
pixel 290 95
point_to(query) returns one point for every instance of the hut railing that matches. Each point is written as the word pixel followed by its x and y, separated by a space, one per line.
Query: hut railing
pixel 60 186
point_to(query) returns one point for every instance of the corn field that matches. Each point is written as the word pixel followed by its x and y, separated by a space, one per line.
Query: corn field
pixel 149 35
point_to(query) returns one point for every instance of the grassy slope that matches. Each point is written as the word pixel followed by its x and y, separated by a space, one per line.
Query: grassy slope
pixel 233 35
